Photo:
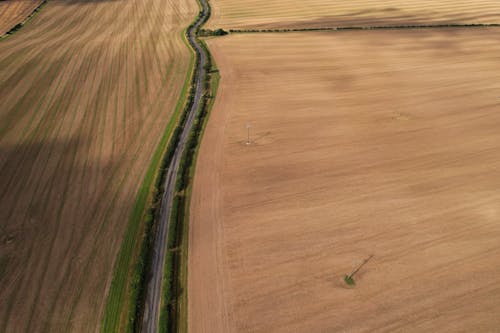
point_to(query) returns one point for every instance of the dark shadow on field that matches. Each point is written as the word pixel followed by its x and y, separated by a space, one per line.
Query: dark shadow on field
pixel 36 179
pixel 53 211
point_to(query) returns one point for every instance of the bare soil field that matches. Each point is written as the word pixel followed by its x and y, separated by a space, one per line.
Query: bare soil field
pixel 13 12
pixel 327 13
pixel 86 92
pixel 381 143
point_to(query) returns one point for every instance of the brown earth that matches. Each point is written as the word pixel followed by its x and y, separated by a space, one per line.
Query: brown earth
pixel 86 91
pixel 362 143
pixel 13 12
pixel 328 13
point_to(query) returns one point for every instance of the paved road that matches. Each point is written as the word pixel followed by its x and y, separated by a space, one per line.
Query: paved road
pixel 154 292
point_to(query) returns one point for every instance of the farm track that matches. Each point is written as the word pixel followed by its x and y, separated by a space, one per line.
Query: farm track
pixel 87 90
pixel 154 289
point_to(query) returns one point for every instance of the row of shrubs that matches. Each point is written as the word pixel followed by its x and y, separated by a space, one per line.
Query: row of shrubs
pixel 142 268
pixel 209 32
pixel 385 27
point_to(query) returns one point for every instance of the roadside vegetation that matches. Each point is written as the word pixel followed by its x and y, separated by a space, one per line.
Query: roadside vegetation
pixel 208 32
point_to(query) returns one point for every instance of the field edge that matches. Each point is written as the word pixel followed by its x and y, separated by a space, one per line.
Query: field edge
pixel 176 262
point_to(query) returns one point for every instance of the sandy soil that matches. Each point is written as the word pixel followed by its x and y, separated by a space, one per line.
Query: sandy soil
pixel 14 11
pixel 363 143
pixel 86 91
pixel 328 13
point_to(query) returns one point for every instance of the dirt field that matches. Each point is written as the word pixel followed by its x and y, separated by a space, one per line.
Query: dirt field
pixel 86 91
pixel 13 12
pixel 381 143
pixel 327 13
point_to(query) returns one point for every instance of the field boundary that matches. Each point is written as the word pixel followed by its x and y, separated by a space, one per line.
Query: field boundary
pixel 381 27
pixel 125 297
pixel 21 24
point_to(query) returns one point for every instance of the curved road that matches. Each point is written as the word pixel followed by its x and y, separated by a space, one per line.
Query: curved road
pixel 154 292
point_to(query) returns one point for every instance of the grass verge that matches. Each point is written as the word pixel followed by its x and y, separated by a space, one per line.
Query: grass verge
pixel 126 292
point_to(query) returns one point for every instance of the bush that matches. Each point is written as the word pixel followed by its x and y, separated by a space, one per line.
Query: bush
pixel 208 32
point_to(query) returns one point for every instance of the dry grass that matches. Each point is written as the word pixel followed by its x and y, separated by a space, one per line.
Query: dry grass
pixel 328 13
pixel 383 143
pixel 13 12
pixel 87 89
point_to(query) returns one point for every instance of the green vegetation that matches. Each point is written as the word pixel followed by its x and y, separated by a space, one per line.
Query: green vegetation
pixel 173 313
pixel 208 32
pixel 126 295
pixel 18 26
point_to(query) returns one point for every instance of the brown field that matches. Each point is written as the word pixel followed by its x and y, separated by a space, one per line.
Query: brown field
pixel 377 142
pixel 86 91
pixel 13 12
pixel 328 13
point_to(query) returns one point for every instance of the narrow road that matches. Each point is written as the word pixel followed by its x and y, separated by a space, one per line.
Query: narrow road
pixel 154 292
